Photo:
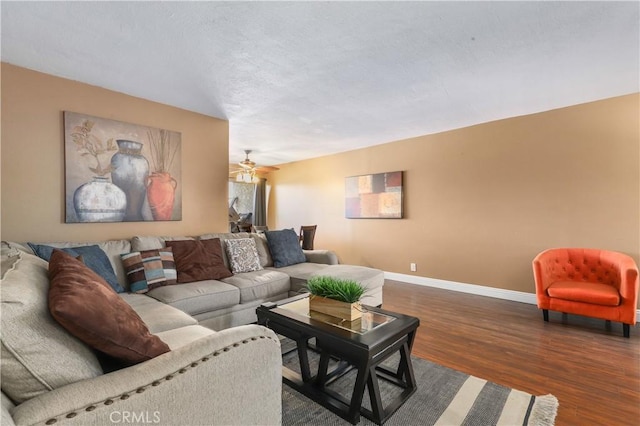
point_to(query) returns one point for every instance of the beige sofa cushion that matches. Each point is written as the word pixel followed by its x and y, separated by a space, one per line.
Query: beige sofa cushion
pixel 300 273
pixel 151 242
pixel 225 236
pixel 198 297
pixel 156 315
pixel 263 250
pixel 38 354
pixel 259 285
pixel 113 249
pixel 139 243
pixel 9 255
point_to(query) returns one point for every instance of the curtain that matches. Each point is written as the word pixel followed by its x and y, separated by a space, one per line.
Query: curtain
pixel 260 204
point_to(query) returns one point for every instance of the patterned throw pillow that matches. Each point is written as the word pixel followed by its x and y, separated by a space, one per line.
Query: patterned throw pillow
pixel 243 255
pixel 149 269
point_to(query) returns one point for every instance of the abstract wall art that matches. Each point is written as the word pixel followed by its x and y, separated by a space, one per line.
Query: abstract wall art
pixel 120 172
pixel 377 196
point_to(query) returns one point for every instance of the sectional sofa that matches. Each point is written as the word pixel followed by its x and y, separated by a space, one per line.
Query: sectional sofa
pixel 221 368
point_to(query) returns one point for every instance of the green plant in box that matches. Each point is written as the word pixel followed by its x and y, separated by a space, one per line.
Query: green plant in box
pixel 348 291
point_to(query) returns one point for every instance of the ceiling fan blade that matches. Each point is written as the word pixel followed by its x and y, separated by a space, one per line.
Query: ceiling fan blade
pixel 248 166
pixel 266 169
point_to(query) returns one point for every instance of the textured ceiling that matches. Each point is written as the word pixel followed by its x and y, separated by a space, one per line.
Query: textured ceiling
pixel 304 79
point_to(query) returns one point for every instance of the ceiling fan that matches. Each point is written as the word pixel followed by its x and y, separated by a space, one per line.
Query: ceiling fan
pixel 247 170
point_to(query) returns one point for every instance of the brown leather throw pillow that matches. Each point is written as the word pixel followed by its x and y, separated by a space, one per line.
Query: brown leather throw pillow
pixel 86 306
pixel 198 260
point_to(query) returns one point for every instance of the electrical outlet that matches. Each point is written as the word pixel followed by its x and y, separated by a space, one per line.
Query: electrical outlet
pixel 413 267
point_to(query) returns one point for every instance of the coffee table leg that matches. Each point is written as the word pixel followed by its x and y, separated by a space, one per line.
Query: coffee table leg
pixel 358 393
pixel 321 378
pixel 374 395
pixel 304 360
pixel 407 367
pixel 403 377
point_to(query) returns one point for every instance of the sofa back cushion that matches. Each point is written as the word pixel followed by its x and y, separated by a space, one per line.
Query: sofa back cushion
pixel 112 248
pixel 224 236
pixel 141 243
pixel 263 249
pixel 38 354
pixel 92 256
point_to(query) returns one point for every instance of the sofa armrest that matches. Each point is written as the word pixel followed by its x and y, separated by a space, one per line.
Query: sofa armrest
pixel 326 257
pixel 231 377
pixel 629 279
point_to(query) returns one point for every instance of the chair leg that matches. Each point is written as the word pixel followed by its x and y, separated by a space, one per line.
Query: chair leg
pixel 545 314
pixel 625 330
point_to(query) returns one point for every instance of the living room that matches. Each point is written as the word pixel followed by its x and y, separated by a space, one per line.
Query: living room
pixel 479 201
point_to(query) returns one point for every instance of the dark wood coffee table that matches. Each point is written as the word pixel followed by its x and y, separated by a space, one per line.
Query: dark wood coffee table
pixel 361 344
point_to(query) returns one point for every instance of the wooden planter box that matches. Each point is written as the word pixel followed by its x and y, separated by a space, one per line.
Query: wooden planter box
pixel 335 308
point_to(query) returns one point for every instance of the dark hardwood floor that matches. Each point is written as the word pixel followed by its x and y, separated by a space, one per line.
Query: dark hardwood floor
pixel 593 370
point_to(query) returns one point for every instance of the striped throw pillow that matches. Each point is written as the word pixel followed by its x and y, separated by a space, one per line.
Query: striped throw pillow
pixel 149 269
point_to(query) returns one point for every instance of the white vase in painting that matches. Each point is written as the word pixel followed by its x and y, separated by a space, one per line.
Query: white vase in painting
pixel 99 201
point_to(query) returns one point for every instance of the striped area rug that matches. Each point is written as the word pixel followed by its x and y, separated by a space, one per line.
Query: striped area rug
pixel 444 397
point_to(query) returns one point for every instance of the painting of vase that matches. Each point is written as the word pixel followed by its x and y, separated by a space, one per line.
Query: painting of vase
pixel 129 171
pixel 161 188
pixel 120 172
pixel 99 201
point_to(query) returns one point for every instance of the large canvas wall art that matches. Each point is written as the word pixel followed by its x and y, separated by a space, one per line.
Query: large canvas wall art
pixel 374 196
pixel 120 172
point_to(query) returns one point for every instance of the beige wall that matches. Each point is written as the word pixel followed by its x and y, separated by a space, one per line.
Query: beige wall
pixel 481 202
pixel 32 196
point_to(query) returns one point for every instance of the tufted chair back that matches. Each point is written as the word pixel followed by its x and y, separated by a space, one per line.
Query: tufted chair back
pixel 590 282
pixel 579 264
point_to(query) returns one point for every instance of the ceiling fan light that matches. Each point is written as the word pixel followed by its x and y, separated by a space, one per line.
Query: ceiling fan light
pixel 248 173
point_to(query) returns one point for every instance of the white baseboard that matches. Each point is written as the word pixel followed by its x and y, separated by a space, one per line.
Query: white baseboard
pixel 498 293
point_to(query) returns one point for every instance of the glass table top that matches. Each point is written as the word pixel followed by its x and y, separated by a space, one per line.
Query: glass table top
pixel 369 320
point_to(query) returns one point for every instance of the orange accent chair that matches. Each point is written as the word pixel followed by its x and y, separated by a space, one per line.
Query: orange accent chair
pixel 589 282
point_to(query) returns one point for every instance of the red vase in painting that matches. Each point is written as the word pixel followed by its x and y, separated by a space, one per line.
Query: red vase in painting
pixel 161 190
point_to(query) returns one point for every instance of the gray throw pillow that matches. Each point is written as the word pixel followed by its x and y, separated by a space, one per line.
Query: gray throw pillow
pixel 285 248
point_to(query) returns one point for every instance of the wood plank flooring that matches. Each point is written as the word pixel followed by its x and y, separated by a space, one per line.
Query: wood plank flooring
pixel 592 370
